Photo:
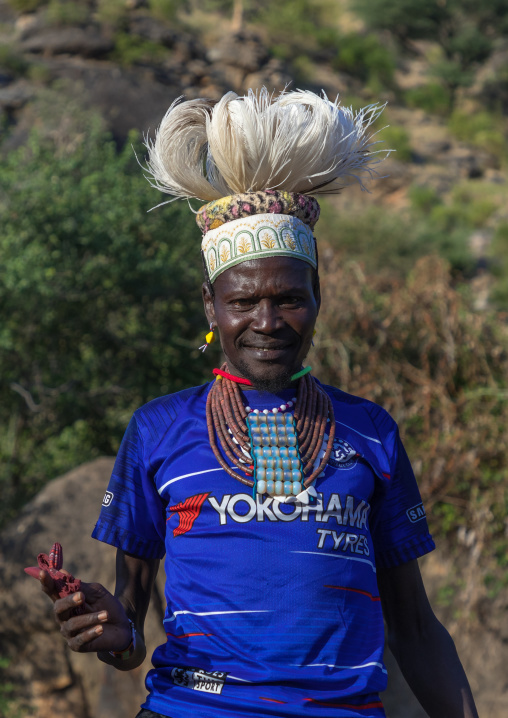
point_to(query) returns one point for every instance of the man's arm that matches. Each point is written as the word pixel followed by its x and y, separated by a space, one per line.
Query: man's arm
pixel 134 583
pixel 422 646
pixel 104 625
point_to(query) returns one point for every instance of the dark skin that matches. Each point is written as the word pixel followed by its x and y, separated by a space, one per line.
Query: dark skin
pixel 272 304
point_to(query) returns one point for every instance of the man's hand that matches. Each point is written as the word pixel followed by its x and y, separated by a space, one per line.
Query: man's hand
pixel 103 621
pixel 103 624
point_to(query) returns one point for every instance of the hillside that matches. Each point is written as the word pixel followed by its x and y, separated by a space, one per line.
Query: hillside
pixel 101 312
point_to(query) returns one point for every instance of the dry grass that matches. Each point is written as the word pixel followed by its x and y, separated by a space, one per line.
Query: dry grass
pixel 418 349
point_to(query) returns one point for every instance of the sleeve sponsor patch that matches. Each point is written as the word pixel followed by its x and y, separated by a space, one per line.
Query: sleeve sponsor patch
pixel 108 498
pixel 196 679
pixel 416 513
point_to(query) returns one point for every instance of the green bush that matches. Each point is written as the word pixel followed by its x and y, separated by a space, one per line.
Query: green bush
pixel 366 58
pixel 111 12
pixel 101 306
pixel 423 198
pixel 27 5
pixel 65 12
pixel 482 129
pixel 12 61
pixel 389 243
pixel 130 50
pixel 165 9
pixel 397 138
pixel 433 98
pixel 297 27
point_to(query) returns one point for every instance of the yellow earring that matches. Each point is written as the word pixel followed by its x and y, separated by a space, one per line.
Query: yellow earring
pixel 210 337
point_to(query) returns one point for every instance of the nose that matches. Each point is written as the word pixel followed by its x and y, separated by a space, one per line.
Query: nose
pixel 267 318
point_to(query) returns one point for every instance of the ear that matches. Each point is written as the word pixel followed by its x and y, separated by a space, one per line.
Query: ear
pixel 317 293
pixel 208 303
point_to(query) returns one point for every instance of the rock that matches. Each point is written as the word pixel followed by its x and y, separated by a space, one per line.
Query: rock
pixel 127 98
pixel 51 678
pixel 273 76
pixel 84 41
pixel 15 95
pixel 149 28
pixel 243 49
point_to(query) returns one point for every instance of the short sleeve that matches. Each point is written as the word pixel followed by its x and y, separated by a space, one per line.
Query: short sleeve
pixel 399 525
pixel 132 516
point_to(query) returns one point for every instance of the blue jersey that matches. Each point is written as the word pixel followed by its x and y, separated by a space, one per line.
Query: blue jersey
pixel 273 609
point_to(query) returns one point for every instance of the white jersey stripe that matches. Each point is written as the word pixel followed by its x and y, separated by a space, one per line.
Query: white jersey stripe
pixel 338 555
pixel 235 678
pixel 370 438
pixel 186 476
pixel 332 665
pixel 209 613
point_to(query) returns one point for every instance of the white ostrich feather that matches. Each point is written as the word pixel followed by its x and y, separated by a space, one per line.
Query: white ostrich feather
pixel 296 141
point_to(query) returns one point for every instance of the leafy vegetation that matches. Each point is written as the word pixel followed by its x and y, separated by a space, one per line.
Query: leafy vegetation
pixel 367 58
pixel 101 313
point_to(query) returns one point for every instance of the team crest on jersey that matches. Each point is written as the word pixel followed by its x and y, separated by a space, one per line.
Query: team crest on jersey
pixel 343 455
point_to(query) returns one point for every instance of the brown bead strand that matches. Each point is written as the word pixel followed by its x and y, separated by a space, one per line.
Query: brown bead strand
pixel 220 426
pixel 317 446
pixel 301 405
pixel 242 414
pixel 215 448
pixel 225 410
pixel 329 447
pixel 225 437
pixel 308 427
pixel 307 447
pixel 238 427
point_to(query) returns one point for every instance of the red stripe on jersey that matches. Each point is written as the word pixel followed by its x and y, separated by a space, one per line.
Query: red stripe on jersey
pixel 362 707
pixel 356 590
pixel 188 511
pixel 188 635
pixel 272 700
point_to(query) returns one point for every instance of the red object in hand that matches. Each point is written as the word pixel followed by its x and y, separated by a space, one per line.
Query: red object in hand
pixel 65 584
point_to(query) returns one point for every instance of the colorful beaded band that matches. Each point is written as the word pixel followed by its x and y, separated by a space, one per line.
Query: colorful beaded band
pixel 274 448
pixel 277 453
pixel 241 380
pixel 127 652
pixel 256 237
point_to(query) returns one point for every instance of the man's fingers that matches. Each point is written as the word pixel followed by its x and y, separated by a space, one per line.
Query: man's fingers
pixel 100 638
pixel 82 642
pixel 63 607
pixel 77 624
pixel 48 585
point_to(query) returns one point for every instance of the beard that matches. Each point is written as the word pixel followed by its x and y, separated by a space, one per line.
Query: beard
pixel 268 384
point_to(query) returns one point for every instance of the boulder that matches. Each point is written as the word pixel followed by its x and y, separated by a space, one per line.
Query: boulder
pixel 242 49
pixel 84 41
pixel 49 677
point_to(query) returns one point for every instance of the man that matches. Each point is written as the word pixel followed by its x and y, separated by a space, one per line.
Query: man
pixel 287 511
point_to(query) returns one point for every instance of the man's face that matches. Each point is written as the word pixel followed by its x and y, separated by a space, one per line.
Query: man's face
pixel 265 310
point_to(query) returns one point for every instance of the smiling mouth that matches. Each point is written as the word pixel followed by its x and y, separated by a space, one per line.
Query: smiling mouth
pixel 278 347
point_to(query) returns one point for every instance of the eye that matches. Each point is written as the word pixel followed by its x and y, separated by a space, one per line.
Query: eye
pixel 290 301
pixel 243 302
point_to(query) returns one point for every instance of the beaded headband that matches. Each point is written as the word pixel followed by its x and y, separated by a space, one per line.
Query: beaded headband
pixel 264 235
pixel 255 225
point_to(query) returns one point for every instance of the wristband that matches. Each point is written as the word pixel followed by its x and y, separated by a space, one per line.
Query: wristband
pixel 127 652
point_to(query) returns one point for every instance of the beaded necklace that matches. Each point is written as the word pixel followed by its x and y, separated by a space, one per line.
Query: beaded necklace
pixel 279 453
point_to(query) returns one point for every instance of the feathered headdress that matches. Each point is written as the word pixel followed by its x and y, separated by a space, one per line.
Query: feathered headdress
pixel 256 159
